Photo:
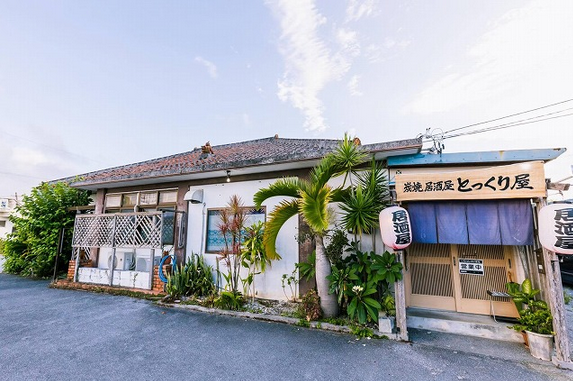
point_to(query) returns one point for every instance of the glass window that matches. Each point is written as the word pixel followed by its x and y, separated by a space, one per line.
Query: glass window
pixel 168 197
pixel 129 199
pixel 148 198
pixel 113 201
pixel 215 241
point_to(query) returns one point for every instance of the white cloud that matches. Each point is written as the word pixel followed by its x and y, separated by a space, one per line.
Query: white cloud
pixel 353 86
pixel 246 119
pixel 210 66
pixel 348 40
pixel 373 53
pixel 357 9
pixel 25 157
pixel 310 63
pixel 527 52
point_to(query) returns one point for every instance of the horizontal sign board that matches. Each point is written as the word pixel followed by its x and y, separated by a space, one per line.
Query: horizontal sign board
pixel 471 266
pixel 522 180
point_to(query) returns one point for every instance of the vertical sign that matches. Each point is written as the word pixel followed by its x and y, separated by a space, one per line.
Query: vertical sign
pixel 556 228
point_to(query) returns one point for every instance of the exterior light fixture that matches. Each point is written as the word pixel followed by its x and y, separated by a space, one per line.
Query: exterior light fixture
pixel 228 176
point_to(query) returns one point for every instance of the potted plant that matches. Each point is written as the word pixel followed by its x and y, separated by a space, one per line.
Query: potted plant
pixel 534 318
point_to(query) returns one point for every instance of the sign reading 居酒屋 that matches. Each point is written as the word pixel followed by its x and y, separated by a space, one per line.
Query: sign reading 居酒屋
pixel 522 180
pixel 395 227
pixel 556 228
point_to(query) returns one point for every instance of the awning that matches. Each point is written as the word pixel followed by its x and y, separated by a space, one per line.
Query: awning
pixel 490 222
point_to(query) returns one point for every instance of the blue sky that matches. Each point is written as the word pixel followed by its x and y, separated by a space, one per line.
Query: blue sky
pixel 86 85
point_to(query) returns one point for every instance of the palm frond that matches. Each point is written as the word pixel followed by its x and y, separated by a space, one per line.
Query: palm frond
pixel 277 218
pixel 375 181
pixel 339 194
pixel 314 208
pixel 347 156
pixel 288 186
pixel 323 171
pixel 360 211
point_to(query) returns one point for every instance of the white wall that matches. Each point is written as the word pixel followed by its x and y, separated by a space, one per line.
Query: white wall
pixel 217 196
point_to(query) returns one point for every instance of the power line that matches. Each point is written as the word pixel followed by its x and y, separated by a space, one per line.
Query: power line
pixel 54 148
pixel 508 116
pixel 18 174
pixel 507 125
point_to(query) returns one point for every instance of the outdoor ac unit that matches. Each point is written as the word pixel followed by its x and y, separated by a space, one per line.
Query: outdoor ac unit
pixel 124 260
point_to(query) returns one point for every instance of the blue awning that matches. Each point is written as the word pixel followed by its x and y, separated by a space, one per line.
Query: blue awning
pixel 491 222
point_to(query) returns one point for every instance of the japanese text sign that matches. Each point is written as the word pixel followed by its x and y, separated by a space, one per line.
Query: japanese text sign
pixel 523 180
pixel 395 227
pixel 556 228
pixel 471 266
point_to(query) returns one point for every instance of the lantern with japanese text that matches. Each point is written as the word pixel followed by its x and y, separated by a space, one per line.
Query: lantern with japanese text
pixel 556 228
pixel 395 227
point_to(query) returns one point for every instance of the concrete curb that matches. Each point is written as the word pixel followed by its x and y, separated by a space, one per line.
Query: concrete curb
pixel 267 318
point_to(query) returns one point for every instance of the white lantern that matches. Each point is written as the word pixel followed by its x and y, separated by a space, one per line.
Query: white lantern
pixel 556 228
pixel 395 227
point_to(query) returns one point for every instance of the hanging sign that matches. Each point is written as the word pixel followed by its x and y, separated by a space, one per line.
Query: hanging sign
pixel 471 266
pixel 556 228
pixel 395 227
pixel 522 180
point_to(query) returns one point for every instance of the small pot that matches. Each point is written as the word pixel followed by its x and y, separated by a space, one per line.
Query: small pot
pixel 540 345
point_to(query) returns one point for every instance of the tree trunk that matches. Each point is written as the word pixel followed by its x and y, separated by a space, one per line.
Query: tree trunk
pixel 328 302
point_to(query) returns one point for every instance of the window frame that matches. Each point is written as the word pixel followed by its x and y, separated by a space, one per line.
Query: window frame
pixel 252 210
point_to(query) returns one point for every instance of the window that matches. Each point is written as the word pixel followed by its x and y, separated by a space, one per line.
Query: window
pixel 215 241
pixel 146 200
pixel 2 223
pixel 129 199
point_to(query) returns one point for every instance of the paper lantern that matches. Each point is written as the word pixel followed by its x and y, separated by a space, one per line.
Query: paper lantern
pixel 556 228
pixel 395 227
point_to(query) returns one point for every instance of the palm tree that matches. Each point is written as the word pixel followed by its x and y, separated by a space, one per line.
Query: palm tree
pixel 362 206
pixel 310 197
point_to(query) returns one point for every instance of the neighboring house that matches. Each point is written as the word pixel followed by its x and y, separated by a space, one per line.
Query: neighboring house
pixel 172 204
pixel 7 206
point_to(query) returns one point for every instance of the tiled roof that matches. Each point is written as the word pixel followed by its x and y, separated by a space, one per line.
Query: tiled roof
pixel 251 153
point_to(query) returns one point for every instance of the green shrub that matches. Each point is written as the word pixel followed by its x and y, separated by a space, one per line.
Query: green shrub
pixel 191 279
pixel 534 315
pixel 361 331
pixel 31 249
pixel 363 282
pixel 310 306
pixel 229 300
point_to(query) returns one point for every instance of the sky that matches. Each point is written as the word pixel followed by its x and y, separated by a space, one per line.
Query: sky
pixel 87 85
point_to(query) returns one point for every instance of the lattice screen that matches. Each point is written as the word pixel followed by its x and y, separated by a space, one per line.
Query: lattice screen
pixel 136 230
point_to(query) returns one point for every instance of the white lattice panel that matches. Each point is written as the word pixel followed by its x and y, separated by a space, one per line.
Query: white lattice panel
pixel 137 230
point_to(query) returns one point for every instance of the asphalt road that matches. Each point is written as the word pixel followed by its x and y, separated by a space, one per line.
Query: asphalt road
pixel 50 334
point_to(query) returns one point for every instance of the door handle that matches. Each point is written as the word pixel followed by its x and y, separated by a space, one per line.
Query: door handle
pixel 454 259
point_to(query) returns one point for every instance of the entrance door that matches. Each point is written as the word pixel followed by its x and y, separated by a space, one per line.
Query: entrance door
pixel 457 277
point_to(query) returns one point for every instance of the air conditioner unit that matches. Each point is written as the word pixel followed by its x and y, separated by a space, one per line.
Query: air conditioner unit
pixel 124 260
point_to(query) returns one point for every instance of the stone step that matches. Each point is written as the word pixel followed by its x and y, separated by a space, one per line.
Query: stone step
pixel 461 324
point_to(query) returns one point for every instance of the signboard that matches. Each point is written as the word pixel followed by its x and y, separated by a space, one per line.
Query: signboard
pixel 522 180
pixel 471 266
pixel 556 228
pixel 395 227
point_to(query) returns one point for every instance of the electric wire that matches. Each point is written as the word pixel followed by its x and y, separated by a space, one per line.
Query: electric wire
pixel 508 116
pixel 534 119
pixel 507 125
